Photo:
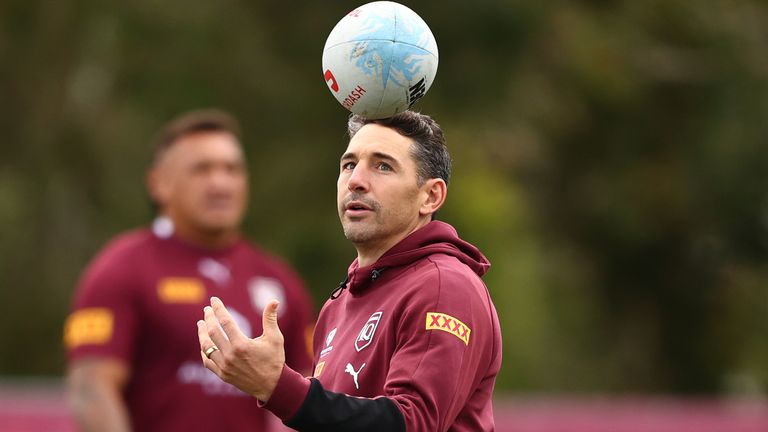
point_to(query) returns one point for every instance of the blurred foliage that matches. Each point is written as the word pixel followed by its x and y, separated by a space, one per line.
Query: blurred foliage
pixel 611 160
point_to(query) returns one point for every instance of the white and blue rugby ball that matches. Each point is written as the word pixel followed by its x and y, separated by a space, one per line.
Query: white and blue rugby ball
pixel 380 59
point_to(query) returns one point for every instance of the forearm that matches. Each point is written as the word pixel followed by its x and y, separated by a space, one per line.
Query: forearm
pixel 95 395
pixel 98 406
pixel 323 409
pixel 306 406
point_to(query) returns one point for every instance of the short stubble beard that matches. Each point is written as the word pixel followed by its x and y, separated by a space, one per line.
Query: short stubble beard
pixel 359 232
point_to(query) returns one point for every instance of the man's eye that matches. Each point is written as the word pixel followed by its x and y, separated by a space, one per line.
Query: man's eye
pixel 385 167
pixel 200 168
pixel 348 166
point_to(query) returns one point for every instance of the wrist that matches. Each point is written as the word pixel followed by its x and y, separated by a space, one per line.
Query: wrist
pixel 288 394
pixel 269 383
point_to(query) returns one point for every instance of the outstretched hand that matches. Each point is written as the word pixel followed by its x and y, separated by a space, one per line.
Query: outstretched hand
pixel 252 365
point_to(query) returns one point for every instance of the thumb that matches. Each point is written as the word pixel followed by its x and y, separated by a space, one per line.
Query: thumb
pixel 269 318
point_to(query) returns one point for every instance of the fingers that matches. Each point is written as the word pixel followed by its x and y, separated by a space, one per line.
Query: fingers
pixel 213 330
pixel 210 364
pixel 226 321
pixel 269 319
pixel 205 344
pixel 202 336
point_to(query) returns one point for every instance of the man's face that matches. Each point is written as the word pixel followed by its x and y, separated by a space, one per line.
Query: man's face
pixel 378 195
pixel 201 182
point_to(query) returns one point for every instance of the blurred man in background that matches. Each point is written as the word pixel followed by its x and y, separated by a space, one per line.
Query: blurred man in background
pixel 134 362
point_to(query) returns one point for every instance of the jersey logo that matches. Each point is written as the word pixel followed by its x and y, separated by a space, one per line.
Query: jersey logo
pixel 351 370
pixel 448 324
pixel 264 289
pixel 89 326
pixel 214 271
pixel 328 339
pixel 309 338
pixel 180 290
pixel 366 333
pixel 319 369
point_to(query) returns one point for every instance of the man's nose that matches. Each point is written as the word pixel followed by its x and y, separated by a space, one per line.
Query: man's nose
pixel 221 178
pixel 358 180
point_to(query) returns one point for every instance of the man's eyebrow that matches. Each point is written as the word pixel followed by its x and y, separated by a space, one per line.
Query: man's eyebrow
pixel 377 155
pixel 386 157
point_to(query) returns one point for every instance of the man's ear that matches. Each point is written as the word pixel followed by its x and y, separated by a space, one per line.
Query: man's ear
pixel 157 186
pixel 435 191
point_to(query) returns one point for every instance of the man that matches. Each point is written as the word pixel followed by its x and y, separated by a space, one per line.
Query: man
pixel 133 359
pixel 411 340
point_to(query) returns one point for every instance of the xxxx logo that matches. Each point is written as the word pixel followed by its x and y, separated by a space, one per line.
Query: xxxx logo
pixel 448 324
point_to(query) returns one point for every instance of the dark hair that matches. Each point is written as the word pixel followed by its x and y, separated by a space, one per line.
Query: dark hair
pixel 191 122
pixel 205 120
pixel 429 150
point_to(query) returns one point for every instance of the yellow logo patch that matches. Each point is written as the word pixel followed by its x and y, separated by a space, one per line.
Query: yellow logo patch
pixel 181 290
pixel 309 332
pixel 319 369
pixel 448 324
pixel 88 326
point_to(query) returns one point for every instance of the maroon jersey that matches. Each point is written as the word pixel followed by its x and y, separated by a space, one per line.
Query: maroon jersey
pixel 418 330
pixel 139 300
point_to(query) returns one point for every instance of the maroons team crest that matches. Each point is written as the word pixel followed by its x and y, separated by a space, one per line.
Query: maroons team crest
pixel 264 289
pixel 366 333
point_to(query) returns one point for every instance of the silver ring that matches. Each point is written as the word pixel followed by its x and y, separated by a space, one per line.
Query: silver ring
pixel 210 351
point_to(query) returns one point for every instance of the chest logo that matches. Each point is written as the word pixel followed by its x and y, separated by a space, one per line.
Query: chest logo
pixel 328 339
pixel 351 370
pixel 180 290
pixel 366 333
pixel 448 324
pixel 214 271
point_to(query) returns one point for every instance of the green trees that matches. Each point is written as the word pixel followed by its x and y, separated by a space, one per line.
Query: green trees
pixel 610 159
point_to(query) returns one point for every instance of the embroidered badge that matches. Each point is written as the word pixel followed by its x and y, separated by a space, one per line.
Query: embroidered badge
pixel 214 271
pixel 309 339
pixel 366 333
pixel 319 369
pixel 448 324
pixel 180 290
pixel 328 339
pixel 351 370
pixel 89 326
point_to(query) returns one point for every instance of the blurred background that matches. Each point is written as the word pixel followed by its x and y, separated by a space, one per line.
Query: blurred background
pixel 611 160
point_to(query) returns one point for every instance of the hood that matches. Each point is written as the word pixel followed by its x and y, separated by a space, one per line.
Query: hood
pixel 435 237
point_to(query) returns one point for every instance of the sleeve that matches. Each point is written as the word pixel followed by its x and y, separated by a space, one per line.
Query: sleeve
pixel 437 362
pixel 443 351
pixel 298 324
pixel 103 320
pixel 321 409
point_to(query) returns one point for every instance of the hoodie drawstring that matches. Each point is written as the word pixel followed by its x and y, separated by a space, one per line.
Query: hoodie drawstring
pixel 376 273
pixel 337 292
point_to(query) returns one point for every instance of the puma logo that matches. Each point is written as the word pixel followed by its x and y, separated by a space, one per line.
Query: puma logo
pixel 351 370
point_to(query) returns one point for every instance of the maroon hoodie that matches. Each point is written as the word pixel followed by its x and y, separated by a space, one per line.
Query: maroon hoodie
pixel 413 343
